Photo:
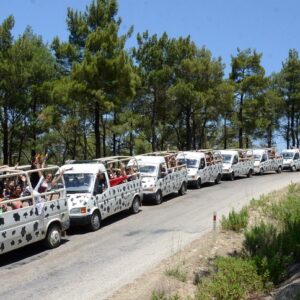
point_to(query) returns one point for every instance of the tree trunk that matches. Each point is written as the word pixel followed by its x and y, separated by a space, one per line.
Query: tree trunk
pixel 297 131
pixel 288 131
pixel 241 144
pixel 84 141
pixel 153 122
pixel 293 123
pixel 97 130
pixel 104 135
pixel 225 133
pixel 5 136
pixel 114 136
pixel 269 136
pixel 194 131
pixel 188 128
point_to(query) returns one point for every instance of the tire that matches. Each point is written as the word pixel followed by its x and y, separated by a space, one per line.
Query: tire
pixel 250 173
pixel 218 179
pixel 261 171
pixel 95 221
pixel 53 237
pixel 158 198
pixel 279 170
pixel 198 183
pixel 182 189
pixel 135 207
pixel 293 169
pixel 231 176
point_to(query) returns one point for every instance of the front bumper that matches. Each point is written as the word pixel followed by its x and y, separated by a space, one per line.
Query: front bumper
pixel 286 167
pixel 79 220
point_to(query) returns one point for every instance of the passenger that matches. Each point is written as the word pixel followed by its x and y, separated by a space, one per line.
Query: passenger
pixel 46 183
pixel 102 183
pixel 16 195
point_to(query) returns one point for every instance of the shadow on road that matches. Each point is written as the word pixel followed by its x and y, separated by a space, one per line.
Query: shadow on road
pixel 25 254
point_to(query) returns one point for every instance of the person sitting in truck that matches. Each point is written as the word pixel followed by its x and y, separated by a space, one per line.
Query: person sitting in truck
pixel 101 182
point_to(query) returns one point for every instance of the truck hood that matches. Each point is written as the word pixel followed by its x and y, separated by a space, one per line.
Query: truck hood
pixel 148 181
pixel 75 200
pixel 226 166
pixel 256 163
pixel 192 171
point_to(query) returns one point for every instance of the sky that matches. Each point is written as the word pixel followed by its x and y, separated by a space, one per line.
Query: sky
pixel 272 27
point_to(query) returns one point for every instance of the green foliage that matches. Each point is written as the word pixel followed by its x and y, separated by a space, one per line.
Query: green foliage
pixel 234 279
pixel 274 248
pixel 236 221
pixel 177 272
pixel 161 295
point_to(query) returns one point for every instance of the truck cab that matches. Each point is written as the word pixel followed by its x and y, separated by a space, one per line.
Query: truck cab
pixel 32 210
pixel 159 177
pixel 100 188
pixel 266 160
pixel 291 159
pixel 236 163
pixel 202 167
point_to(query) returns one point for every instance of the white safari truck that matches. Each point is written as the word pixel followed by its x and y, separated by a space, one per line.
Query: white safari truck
pixel 100 188
pixel 237 163
pixel 32 210
pixel 161 175
pixel 266 160
pixel 203 166
pixel 291 159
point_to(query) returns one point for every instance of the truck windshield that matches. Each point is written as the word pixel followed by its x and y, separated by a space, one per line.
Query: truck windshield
pixel 288 155
pixel 227 158
pixel 79 182
pixel 190 163
pixel 148 170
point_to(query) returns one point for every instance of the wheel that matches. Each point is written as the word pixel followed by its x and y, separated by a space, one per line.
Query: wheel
pixel 279 169
pixel 53 237
pixel 231 176
pixel 293 168
pixel 261 171
pixel 95 221
pixel 135 207
pixel 249 173
pixel 198 183
pixel 218 179
pixel 182 190
pixel 158 197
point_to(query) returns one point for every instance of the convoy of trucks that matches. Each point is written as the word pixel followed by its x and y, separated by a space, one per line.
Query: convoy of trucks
pixel 41 203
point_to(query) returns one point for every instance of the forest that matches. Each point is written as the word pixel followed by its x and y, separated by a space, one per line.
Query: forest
pixel 91 97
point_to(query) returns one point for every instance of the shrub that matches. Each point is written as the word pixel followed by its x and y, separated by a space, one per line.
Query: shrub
pixel 236 221
pixel 270 250
pixel 234 279
pixel 161 295
pixel 177 272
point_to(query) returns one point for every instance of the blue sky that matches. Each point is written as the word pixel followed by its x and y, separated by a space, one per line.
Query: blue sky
pixel 270 26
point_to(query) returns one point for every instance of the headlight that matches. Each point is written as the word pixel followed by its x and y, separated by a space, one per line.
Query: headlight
pixel 78 210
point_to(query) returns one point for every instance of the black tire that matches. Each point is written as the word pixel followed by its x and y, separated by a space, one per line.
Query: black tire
pixel 218 179
pixel 198 183
pixel 231 176
pixel 158 198
pixel 95 221
pixel 135 207
pixel 53 237
pixel 279 170
pixel 293 169
pixel 250 173
pixel 182 189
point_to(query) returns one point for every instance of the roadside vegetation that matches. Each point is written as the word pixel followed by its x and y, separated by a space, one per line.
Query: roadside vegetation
pixel 270 246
